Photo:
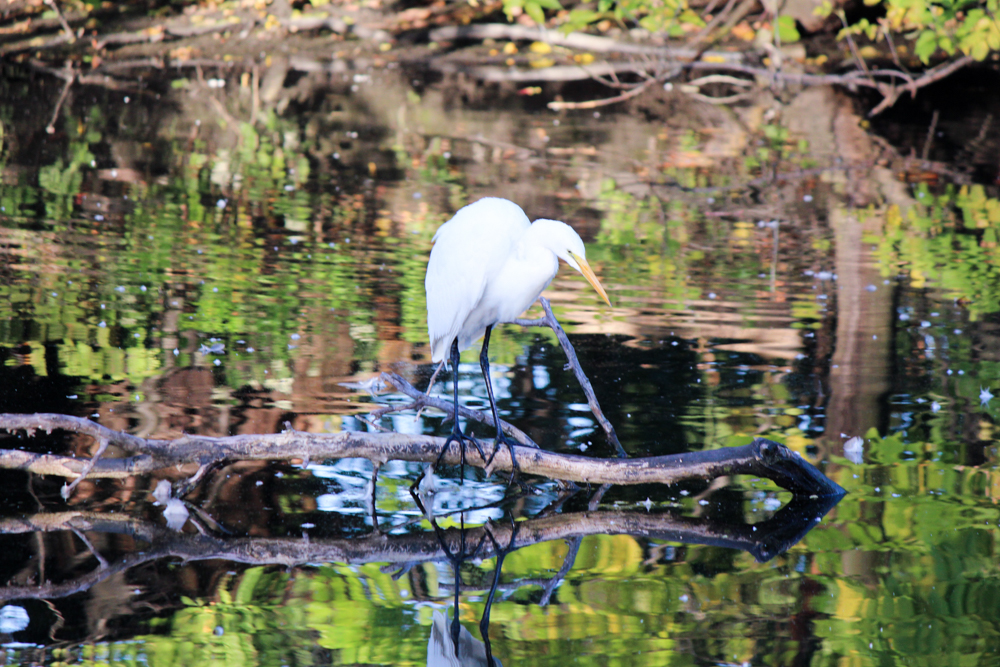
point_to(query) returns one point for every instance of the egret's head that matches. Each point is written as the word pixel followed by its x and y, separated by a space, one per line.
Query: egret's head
pixel 568 246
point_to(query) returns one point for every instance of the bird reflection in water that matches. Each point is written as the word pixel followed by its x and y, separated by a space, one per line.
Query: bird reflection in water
pixel 450 643
pixel 444 651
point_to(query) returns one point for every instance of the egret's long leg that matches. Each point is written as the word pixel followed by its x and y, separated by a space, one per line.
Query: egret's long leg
pixel 456 429
pixel 484 364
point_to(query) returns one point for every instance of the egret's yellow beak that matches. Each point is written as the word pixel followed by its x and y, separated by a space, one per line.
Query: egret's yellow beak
pixel 588 273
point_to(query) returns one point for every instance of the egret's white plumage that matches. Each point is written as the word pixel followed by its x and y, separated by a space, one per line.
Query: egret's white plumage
pixel 441 650
pixel 488 265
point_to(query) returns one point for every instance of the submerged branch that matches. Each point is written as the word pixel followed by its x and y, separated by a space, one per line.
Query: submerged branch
pixel 762 458
pixel 763 540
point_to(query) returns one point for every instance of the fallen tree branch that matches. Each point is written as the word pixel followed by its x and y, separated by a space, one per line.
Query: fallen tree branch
pixel 678 58
pixel 573 40
pixel 593 104
pixel 762 458
pixel 763 540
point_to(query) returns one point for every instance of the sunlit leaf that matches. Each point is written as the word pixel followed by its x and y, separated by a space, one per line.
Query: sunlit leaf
pixel 787 30
pixel 534 10
pixel 926 45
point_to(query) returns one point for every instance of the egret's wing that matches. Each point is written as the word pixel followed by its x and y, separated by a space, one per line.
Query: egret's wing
pixel 468 250
pixel 455 282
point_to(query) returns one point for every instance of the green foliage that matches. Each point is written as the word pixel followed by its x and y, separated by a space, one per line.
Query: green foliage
pixel 969 27
pixel 533 8
pixel 672 17
pixel 787 32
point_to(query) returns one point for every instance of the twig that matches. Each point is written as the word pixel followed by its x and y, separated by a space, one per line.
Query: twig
pixel 90 547
pixel 716 20
pixel 574 40
pixel 930 136
pixel 62 21
pixel 550 586
pixel 430 383
pixel 854 47
pixel 930 76
pixel 895 56
pixel 420 399
pixel 67 490
pixel 594 104
pixel 550 321
pixel 718 78
pixel 51 127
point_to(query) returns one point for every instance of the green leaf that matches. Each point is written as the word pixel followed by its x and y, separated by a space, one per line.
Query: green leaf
pixel 549 4
pixel 584 16
pixel 787 31
pixel 533 10
pixel 824 9
pixel 926 46
pixel 692 18
pixel 980 50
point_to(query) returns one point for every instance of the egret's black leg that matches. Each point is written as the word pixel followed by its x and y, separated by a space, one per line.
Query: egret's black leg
pixel 456 429
pixel 484 364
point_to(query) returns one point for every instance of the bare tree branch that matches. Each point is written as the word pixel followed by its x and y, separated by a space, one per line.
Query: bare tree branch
pixel 762 457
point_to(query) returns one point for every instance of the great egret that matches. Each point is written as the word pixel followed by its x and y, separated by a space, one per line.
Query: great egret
pixel 443 651
pixel 487 266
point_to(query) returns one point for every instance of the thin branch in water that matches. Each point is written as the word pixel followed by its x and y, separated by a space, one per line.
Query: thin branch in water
pixel 598 496
pixel 191 481
pixel 553 583
pixel 925 79
pixel 51 127
pixel 853 46
pixel 594 104
pixel 67 489
pixel 372 418
pixel 372 498
pixel 430 383
pixel 550 321
pixel 90 547
pixel 423 400
pixel 930 136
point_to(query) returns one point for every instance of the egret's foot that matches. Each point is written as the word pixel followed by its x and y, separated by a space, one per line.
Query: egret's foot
pixel 502 439
pixel 457 436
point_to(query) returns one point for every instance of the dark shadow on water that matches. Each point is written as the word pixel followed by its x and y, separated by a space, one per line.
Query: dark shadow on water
pixel 124 552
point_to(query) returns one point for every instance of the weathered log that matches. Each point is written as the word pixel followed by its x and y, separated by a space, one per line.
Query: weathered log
pixel 762 457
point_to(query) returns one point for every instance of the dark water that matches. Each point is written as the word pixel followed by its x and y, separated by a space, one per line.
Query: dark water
pixel 169 268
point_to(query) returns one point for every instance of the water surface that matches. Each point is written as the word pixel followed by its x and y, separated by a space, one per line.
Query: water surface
pixel 170 268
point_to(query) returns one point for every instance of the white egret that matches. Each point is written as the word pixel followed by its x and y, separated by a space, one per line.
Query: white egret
pixel 444 651
pixel 487 266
